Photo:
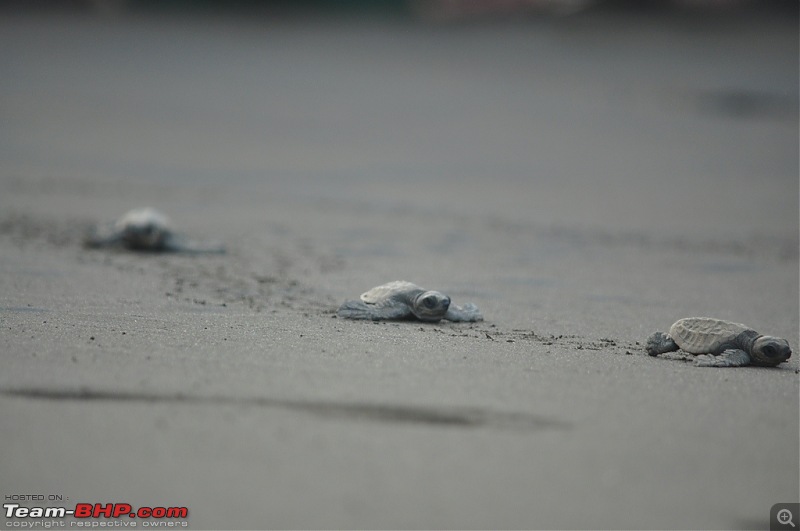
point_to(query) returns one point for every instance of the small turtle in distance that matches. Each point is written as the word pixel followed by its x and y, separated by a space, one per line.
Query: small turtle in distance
pixel 404 300
pixel 718 343
pixel 145 230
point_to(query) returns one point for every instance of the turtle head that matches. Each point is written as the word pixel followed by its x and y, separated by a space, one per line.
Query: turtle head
pixel 431 306
pixel 770 351
pixel 144 229
pixel 145 237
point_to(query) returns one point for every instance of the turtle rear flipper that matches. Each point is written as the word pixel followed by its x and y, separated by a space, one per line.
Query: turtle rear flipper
pixel 375 312
pixel 468 313
pixel 659 343
pixel 729 358
pixel 103 236
pixel 180 244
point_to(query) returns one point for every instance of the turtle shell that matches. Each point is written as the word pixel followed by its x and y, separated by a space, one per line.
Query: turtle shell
pixel 704 335
pixel 399 290
pixel 140 218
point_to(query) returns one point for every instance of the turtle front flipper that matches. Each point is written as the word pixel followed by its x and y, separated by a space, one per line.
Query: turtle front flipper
pixel 729 358
pixel 468 313
pixel 375 312
pixel 659 343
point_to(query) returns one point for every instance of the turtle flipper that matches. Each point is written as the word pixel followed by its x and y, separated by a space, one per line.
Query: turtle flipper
pixel 468 313
pixel 659 343
pixel 176 243
pixel 729 358
pixel 103 236
pixel 375 312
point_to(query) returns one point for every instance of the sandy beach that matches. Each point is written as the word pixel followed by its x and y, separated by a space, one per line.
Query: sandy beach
pixel 585 180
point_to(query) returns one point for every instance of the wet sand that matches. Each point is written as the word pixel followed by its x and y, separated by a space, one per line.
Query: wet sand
pixel 585 180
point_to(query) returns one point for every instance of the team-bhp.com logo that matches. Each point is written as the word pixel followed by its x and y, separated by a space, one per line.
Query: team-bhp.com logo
pixel 88 513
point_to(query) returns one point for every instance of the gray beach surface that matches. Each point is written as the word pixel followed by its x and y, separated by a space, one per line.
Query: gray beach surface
pixel 585 180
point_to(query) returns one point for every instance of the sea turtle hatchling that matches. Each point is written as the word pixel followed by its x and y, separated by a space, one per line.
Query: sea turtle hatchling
pixel 145 230
pixel 404 300
pixel 718 343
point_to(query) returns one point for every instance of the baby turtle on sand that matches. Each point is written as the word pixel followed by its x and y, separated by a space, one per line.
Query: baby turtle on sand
pixel 718 343
pixel 146 230
pixel 404 300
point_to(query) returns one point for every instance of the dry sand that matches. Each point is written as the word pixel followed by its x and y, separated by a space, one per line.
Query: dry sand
pixel 585 180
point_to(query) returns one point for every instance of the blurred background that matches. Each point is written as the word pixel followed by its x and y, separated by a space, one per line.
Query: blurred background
pixel 510 136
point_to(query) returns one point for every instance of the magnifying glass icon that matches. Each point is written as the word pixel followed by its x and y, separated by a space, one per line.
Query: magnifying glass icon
pixel 785 517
